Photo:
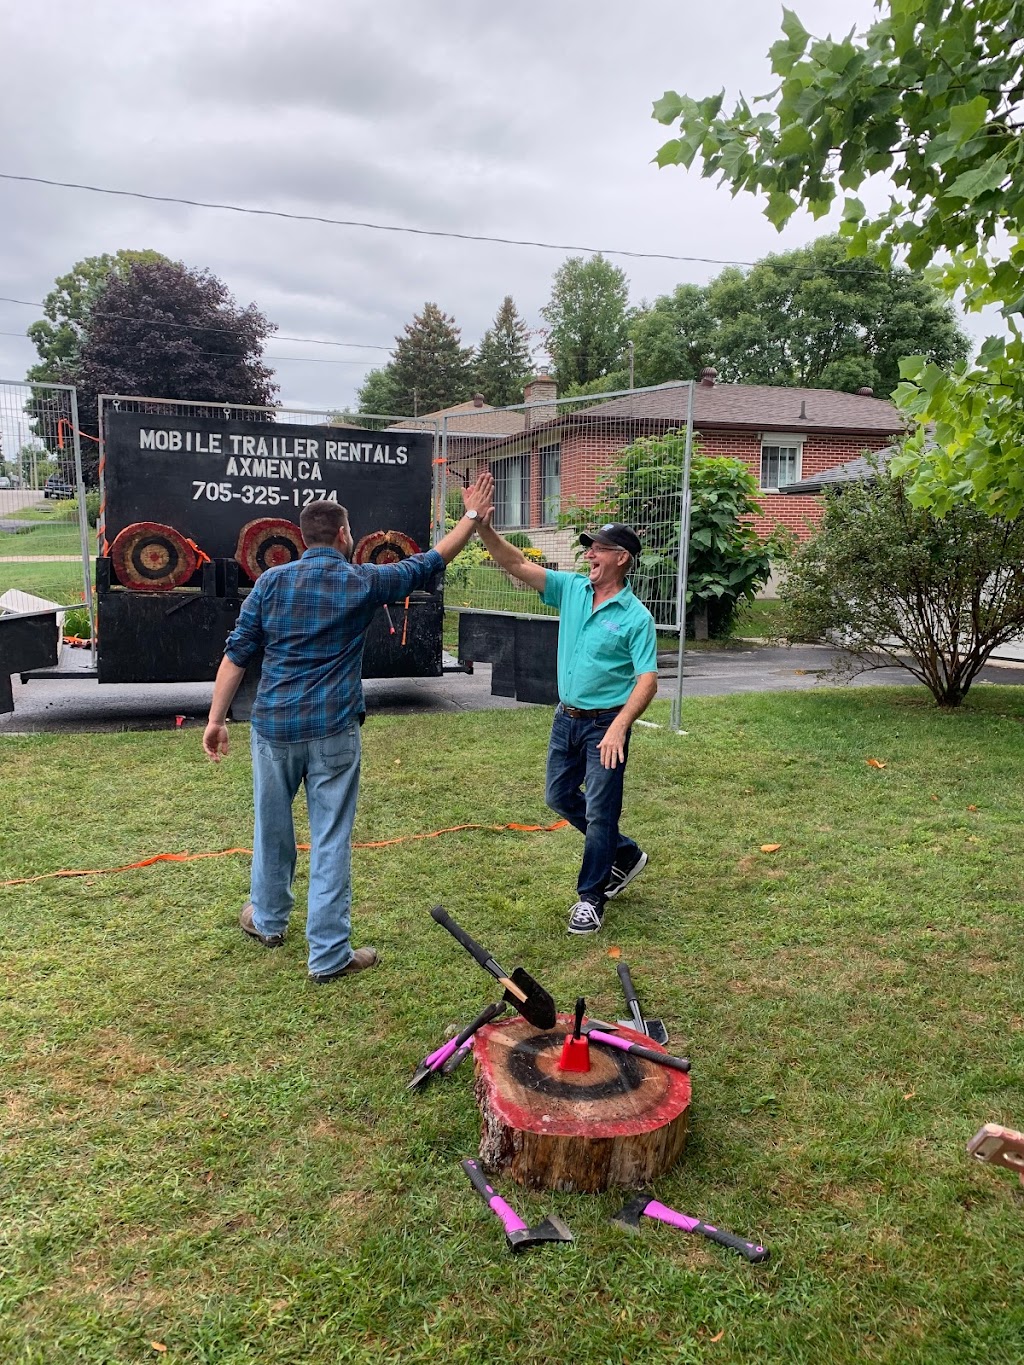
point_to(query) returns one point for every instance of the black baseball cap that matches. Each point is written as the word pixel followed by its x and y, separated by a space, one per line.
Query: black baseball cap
pixel 615 534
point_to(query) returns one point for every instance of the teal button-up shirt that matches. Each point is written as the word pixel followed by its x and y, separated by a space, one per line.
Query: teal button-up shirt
pixel 601 651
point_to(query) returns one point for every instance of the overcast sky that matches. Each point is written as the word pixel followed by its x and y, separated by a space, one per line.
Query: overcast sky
pixel 527 120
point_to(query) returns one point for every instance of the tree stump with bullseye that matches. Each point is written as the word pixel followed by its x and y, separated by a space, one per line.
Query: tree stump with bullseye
pixel 623 1122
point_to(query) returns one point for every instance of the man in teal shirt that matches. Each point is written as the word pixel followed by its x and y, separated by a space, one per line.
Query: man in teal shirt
pixel 607 677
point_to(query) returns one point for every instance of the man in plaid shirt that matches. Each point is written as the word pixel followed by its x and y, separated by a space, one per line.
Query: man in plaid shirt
pixel 310 619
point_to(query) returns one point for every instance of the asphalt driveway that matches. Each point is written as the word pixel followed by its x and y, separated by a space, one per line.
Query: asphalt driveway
pixel 69 705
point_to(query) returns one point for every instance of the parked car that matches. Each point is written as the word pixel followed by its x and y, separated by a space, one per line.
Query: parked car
pixel 57 486
pixel 5 481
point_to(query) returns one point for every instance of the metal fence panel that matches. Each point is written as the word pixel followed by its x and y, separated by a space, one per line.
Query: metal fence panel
pixel 180 407
pixel 46 542
pixel 562 465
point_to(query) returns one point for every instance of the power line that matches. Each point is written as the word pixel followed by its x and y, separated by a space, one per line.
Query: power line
pixel 373 227
pixel 288 359
pixel 198 327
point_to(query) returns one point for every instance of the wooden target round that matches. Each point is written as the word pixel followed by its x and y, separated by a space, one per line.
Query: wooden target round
pixel 267 542
pixel 623 1122
pixel 150 557
pixel 384 547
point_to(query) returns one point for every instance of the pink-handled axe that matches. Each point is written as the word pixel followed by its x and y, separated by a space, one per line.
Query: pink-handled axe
pixel 643 1206
pixel 518 1235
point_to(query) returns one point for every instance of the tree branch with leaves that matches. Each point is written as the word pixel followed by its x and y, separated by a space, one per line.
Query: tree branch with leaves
pixel 931 97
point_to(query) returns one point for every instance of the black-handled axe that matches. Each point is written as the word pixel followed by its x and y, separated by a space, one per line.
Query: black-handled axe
pixel 654 1028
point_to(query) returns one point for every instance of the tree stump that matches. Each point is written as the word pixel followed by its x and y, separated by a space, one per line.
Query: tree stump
pixel 623 1122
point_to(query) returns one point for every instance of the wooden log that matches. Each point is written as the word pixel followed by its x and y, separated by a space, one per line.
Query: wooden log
pixel 623 1122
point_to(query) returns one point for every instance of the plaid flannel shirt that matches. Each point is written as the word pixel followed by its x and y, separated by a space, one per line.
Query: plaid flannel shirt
pixel 310 619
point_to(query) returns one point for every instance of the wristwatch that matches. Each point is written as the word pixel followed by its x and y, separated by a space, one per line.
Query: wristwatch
pixel 472 513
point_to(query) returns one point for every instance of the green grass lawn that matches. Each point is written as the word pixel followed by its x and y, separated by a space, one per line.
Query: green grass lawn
pixel 760 619
pixel 203 1151
pixel 60 582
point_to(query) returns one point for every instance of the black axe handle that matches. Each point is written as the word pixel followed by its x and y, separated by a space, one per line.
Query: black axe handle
pixel 441 915
pixel 629 991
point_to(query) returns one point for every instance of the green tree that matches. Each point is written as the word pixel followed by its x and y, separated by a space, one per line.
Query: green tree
pixel 159 328
pixel 897 584
pixel 673 337
pixel 587 320
pixel 431 368
pixel 727 562
pixel 808 318
pixel 68 307
pixel 502 365
pixel 930 96
pixel 379 394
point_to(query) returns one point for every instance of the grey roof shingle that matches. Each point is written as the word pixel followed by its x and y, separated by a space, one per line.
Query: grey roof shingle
pixel 859 470
pixel 759 405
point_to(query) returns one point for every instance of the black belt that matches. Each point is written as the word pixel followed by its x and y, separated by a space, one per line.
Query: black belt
pixel 576 713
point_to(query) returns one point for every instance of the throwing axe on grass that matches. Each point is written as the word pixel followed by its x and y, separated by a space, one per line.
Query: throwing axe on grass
pixel 518 1235
pixel 521 991
pixel 654 1028
pixel 643 1206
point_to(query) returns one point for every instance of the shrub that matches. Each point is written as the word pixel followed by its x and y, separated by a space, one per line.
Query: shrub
pixel 519 539
pixel 896 584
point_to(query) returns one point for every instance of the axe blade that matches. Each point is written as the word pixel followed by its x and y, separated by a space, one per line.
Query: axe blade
pixel 549 1229
pixel 654 1029
pixel 629 1215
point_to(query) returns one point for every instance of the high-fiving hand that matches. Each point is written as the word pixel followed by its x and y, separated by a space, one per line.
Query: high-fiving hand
pixel 479 497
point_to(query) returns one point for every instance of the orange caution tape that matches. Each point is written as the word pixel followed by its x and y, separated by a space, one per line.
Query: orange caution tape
pixel 201 556
pixel 228 852
pixel 63 422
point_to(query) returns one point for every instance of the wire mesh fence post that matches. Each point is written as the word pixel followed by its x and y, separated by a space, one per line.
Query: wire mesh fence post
pixel 44 544
pixel 675 718
pixel 83 521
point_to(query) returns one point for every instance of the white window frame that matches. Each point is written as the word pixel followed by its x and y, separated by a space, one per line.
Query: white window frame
pixel 781 440
pixel 499 469
pixel 553 450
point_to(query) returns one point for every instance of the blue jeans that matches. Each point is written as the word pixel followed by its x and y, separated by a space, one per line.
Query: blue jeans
pixel 574 760
pixel 330 769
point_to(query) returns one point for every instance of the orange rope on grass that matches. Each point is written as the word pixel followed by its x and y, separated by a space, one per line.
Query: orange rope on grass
pixel 228 852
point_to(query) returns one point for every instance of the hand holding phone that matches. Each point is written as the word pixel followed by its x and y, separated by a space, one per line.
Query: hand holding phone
pixel 1001 1146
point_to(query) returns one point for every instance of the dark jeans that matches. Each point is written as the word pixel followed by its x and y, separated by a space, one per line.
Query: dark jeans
pixel 574 761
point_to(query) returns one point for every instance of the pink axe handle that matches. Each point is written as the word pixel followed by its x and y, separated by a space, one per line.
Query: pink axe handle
pixel 441 1054
pixel 750 1251
pixel 511 1220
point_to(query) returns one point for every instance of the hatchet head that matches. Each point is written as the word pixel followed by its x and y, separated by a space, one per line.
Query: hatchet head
pixel 629 1216
pixel 550 1229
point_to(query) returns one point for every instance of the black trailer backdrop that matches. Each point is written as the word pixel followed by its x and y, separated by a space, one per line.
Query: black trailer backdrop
pixel 207 478
pixel 221 474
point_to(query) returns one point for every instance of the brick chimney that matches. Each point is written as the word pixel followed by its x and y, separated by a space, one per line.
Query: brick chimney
pixel 540 389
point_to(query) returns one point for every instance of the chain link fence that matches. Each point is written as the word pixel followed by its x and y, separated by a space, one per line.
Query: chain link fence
pixel 46 541
pixel 562 465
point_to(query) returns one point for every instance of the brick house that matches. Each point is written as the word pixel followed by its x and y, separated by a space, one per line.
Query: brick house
pixel 558 454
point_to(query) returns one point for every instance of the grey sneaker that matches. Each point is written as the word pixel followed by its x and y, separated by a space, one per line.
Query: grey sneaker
pixel 619 880
pixel 585 918
pixel 358 962
pixel 268 940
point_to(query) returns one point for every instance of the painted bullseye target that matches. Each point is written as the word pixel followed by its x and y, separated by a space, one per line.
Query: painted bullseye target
pixel 150 557
pixel 623 1122
pixel 384 547
pixel 267 542
pixel 533 1063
